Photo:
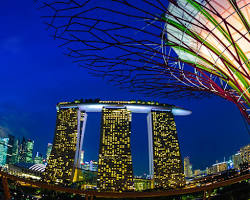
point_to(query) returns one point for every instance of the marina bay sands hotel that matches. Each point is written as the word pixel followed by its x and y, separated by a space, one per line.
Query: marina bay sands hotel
pixel 115 171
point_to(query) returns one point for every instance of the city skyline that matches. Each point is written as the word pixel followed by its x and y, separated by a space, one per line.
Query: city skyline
pixel 12 152
pixel 37 76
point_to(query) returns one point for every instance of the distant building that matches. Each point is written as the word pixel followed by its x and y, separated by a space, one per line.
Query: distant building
pixel 12 152
pixel 93 166
pixel 218 167
pixel 187 168
pixel 197 172
pixel 3 150
pixel 90 166
pixel 245 154
pixel 65 154
pixel 143 184
pixel 49 148
pixel 237 160
pixel 26 151
pixel 82 157
pixel 230 164
pixel 85 165
pixel 115 172
pixel 38 158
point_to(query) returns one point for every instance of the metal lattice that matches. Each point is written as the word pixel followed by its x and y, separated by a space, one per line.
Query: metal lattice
pixel 182 48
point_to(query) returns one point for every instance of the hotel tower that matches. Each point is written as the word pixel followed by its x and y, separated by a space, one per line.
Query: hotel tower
pixel 115 171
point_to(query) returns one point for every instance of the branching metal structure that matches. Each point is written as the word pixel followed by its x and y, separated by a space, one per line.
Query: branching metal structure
pixel 169 48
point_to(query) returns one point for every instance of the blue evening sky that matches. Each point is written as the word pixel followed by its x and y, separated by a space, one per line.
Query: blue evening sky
pixel 35 75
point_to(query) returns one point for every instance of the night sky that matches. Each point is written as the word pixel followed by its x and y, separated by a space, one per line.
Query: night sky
pixel 35 75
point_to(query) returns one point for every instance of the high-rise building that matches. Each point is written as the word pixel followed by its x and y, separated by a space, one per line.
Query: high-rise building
pixel 188 172
pixel 3 150
pixel 93 166
pixel 82 157
pixel 237 160
pixel 115 171
pixel 65 154
pixel 85 165
pixel 29 151
pixel 10 148
pixel 49 148
pixel 219 167
pixel 38 158
pixel 164 152
pixel 115 163
pixel 245 154
pixel 12 152
pixel 26 151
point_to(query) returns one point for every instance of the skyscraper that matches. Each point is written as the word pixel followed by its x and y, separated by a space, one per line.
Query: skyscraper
pixel 188 172
pixel 115 171
pixel 67 145
pixel 49 148
pixel 26 151
pixel 164 152
pixel 3 150
pixel 29 151
pixel 38 158
pixel 82 157
pixel 245 153
pixel 237 160
pixel 12 152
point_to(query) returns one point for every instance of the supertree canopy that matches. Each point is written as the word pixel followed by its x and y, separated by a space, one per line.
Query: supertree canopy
pixel 174 48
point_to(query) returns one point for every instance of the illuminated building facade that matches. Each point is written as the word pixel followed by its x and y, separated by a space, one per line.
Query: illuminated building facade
pixel 38 158
pixel 115 161
pixel 187 167
pixel 65 153
pixel 82 157
pixel 90 165
pixel 49 148
pixel 143 184
pixel 3 150
pixel 29 151
pixel 164 151
pixel 12 152
pixel 26 151
pixel 237 160
pixel 115 171
pixel 245 154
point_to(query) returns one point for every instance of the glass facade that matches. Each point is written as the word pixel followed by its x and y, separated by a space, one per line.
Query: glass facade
pixel 29 151
pixel 115 171
pixel 38 158
pixel 12 152
pixel 26 151
pixel 49 148
pixel 187 167
pixel 165 159
pixel 65 154
pixel 3 150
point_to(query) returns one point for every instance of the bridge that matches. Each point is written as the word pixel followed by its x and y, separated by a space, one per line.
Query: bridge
pixel 91 194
